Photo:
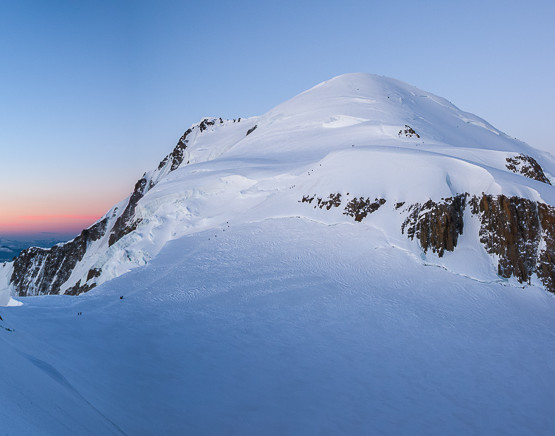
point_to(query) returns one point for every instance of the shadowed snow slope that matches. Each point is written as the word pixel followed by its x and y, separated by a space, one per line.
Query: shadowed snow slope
pixel 264 328
pixel 363 258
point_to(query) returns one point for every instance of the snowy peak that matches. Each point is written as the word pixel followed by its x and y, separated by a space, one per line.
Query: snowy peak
pixel 357 98
pixel 357 149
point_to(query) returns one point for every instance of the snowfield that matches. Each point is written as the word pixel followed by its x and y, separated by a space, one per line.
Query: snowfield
pixel 263 328
pixel 236 306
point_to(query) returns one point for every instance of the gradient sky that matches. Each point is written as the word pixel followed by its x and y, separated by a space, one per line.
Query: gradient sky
pixel 94 93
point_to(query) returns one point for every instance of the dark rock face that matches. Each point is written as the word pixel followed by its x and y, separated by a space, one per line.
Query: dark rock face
pixel 519 231
pixel 510 228
pixel 176 156
pixel 527 166
pixel 545 265
pixel 359 208
pixel 437 226
pixel 252 129
pixel 522 233
pixel 125 224
pixel 39 271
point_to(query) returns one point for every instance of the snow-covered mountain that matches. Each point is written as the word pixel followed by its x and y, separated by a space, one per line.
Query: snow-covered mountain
pixel 361 149
pixel 364 258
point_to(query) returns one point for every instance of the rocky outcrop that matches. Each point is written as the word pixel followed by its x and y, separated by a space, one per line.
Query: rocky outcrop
pixel 252 129
pixel 79 288
pixel 333 200
pixel 518 231
pixel 521 233
pixel 39 271
pixel 126 223
pixel 408 131
pixel 203 125
pixel 94 272
pixel 176 156
pixel 436 225
pixel 359 208
pixel 510 229
pixel 527 166
pixel 545 265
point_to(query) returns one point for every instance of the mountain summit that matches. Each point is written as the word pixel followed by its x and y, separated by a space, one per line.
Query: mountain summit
pixel 362 149
pixel 364 258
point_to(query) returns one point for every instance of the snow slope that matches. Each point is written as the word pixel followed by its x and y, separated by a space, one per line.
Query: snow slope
pixel 264 328
pixel 246 310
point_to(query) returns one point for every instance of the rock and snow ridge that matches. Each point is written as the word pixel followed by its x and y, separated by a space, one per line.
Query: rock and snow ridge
pixel 440 183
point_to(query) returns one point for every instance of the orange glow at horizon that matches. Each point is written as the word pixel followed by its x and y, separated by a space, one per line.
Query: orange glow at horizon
pixel 64 210
pixel 54 223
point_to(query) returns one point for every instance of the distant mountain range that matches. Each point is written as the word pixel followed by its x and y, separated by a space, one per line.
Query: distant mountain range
pixel 11 247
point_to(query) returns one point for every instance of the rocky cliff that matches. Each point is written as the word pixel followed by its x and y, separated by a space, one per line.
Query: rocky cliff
pixel 38 271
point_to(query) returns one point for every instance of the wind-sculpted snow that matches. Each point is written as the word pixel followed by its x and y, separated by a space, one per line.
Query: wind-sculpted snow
pixel 366 148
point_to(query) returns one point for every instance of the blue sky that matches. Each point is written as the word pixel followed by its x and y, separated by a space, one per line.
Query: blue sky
pixel 94 93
